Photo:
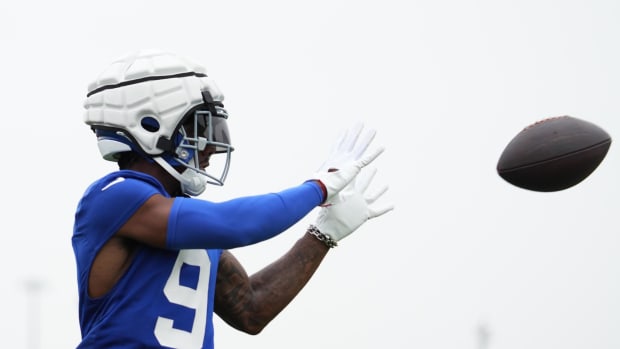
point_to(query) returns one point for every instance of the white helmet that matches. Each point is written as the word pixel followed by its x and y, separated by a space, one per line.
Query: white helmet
pixel 141 102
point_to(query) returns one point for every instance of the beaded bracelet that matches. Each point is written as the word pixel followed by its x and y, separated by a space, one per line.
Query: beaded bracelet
pixel 327 240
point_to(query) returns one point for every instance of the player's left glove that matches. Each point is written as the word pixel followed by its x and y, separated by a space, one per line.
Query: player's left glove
pixel 346 159
pixel 352 207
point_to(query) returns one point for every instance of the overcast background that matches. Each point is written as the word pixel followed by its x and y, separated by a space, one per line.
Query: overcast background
pixel 465 260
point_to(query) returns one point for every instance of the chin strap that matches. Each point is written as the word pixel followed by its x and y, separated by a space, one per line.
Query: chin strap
pixel 192 183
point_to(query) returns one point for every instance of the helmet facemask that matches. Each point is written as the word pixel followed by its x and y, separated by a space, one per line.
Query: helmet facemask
pixel 202 128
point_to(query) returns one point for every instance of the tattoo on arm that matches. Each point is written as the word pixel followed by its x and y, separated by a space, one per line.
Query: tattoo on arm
pixel 250 303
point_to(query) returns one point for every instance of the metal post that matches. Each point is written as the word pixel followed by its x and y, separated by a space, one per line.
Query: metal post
pixel 33 290
pixel 483 335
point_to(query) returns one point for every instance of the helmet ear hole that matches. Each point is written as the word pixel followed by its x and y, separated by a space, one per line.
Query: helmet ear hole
pixel 150 124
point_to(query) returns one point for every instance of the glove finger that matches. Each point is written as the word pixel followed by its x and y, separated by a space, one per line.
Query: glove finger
pixel 376 195
pixel 334 152
pixel 364 178
pixel 367 159
pixel 336 146
pixel 363 142
pixel 351 137
pixel 377 211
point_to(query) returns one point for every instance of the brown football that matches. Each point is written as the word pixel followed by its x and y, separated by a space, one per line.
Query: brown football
pixel 553 154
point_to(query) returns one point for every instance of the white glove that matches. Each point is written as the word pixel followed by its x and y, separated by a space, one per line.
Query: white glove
pixel 352 208
pixel 346 159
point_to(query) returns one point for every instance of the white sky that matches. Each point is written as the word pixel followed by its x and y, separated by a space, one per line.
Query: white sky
pixel 446 83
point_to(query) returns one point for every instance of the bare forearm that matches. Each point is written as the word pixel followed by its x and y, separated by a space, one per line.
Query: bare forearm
pixel 276 285
pixel 250 303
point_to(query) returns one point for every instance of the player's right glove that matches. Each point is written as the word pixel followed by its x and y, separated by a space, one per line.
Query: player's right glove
pixel 352 207
pixel 346 159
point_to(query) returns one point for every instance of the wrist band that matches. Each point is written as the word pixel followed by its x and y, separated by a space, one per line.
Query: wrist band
pixel 326 239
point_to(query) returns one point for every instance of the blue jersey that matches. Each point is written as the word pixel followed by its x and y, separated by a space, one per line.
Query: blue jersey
pixel 171 305
pixel 165 297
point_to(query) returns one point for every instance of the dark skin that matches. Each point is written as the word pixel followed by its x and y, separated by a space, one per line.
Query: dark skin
pixel 247 303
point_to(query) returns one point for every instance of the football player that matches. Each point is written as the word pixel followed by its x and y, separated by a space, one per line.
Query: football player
pixel 153 260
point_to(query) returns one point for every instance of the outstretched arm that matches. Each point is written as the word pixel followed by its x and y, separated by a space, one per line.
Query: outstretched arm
pixel 249 303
